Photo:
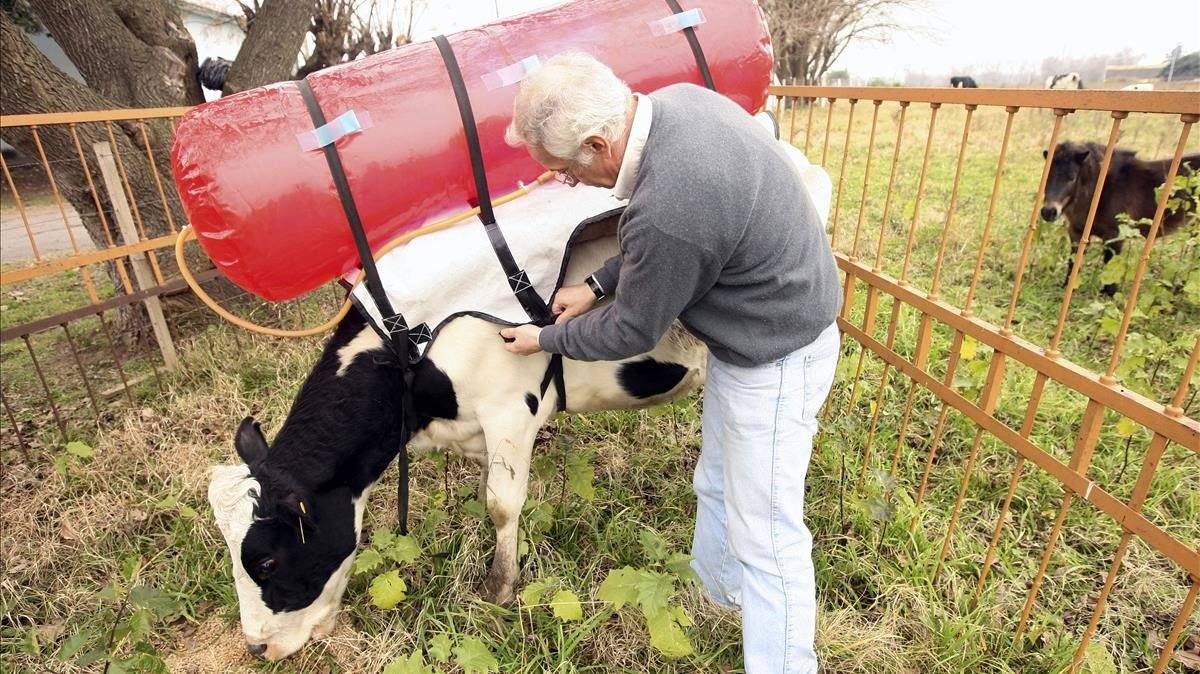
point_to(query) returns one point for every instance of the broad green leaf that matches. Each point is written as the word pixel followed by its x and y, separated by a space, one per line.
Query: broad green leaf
pixel 387 590
pixel 153 599
pixel 474 508
pixel 654 590
pixel 566 606
pixel 879 509
pixel 404 550
pixel 1097 660
pixel 1114 270
pixel 367 560
pixel 653 545
pixel 382 539
pixel 141 624
pixel 532 594
pixel 681 616
pixel 80 449
pixel 72 645
pixel 680 564
pixel 90 657
pixel 579 476
pixel 666 636
pixel 968 348
pixel 439 647
pixel 619 587
pixel 1126 427
pixel 60 465
pixel 167 503
pixel 413 664
pixel 110 593
pixel 187 512
pixel 475 657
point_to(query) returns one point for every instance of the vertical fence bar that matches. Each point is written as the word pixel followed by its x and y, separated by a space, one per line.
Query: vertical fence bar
pixel 792 122
pixel 808 125
pixel 12 420
pixel 37 368
pixel 1031 230
pixel 991 214
pixel 87 384
pixel 133 203
pixel 104 224
pixel 1144 259
pixel 862 203
pixel 1185 611
pixel 12 186
pixel 88 285
pixel 113 351
pixel 935 284
pixel 157 180
pixel 1069 292
pixel 828 128
pixel 841 185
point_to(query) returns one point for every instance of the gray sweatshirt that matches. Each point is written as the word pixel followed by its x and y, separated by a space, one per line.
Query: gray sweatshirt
pixel 719 233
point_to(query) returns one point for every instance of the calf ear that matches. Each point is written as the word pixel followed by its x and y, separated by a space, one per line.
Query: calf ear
pixel 249 442
pixel 1045 154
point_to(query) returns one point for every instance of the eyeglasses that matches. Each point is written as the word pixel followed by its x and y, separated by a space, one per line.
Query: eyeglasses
pixel 565 177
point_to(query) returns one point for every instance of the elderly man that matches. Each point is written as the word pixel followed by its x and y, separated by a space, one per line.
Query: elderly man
pixel 720 234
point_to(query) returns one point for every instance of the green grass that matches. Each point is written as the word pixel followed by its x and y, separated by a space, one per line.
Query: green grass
pixel 68 535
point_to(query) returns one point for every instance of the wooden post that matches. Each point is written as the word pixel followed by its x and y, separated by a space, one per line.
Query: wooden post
pixel 141 266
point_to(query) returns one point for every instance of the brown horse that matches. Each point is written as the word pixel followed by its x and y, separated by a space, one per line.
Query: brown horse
pixel 1128 188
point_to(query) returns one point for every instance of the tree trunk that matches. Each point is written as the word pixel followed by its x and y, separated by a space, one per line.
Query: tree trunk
pixel 268 54
pixel 136 53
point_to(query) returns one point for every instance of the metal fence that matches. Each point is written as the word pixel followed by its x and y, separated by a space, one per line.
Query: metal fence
pixel 896 271
pixel 89 290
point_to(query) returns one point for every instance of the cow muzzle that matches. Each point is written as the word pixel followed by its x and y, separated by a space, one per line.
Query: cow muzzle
pixel 1050 212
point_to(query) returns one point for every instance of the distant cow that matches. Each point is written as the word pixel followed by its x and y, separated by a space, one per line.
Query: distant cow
pixel 1128 188
pixel 1065 81
pixel 1140 86
pixel 963 82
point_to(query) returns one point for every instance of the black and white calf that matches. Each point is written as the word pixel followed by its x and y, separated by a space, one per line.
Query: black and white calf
pixel 292 513
pixel 1065 81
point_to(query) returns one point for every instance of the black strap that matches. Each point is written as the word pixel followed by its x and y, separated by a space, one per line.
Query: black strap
pixel 518 280
pixel 393 322
pixel 554 373
pixel 690 34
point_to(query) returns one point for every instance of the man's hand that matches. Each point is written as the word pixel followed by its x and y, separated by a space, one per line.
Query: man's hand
pixel 570 301
pixel 522 340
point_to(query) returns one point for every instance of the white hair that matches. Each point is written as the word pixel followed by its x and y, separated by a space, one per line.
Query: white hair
pixel 571 97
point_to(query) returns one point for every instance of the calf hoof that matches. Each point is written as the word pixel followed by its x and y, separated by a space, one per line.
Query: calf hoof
pixel 496 591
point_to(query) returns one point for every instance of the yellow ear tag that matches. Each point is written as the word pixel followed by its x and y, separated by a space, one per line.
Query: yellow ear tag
pixel 301 521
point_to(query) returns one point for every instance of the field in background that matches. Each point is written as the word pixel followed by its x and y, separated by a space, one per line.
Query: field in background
pixel 130 509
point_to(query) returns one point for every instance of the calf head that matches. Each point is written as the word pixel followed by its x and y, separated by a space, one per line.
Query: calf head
pixel 1073 168
pixel 291 549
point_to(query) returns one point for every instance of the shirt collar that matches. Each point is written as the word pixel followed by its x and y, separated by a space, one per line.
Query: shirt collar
pixel 638 133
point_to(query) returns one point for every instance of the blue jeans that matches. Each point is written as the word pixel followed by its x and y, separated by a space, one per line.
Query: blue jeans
pixel 751 547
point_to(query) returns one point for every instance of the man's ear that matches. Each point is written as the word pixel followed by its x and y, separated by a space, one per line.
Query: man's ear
pixel 249 442
pixel 597 144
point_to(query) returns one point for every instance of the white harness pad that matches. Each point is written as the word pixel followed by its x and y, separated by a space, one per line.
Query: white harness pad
pixel 455 271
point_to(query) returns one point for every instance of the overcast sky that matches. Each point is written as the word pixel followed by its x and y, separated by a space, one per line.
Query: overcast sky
pixel 954 34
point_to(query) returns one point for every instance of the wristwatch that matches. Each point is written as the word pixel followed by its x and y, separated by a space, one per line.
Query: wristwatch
pixel 596 287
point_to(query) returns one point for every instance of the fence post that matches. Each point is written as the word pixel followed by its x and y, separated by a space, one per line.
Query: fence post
pixel 141 267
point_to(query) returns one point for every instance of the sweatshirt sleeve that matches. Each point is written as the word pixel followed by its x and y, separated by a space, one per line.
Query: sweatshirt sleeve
pixel 660 276
pixel 608 275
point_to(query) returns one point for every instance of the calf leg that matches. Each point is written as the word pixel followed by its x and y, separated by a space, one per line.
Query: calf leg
pixel 509 437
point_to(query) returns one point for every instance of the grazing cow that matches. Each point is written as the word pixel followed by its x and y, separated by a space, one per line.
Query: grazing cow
pixel 1065 81
pixel 1128 188
pixel 292 513
pixel 963 82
